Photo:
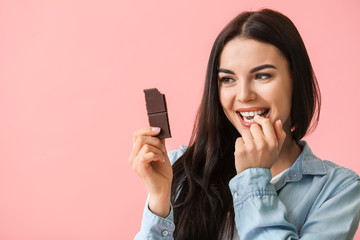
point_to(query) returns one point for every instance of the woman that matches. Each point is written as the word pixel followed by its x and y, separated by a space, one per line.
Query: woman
pixel 246 172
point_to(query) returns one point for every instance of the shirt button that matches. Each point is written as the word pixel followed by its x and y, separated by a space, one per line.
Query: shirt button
pixel 165 233
pixel 236 194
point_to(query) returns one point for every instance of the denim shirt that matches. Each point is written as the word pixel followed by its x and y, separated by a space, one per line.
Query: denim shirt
pixel 314 199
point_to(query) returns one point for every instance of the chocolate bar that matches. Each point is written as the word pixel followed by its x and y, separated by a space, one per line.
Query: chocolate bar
pixel 157 111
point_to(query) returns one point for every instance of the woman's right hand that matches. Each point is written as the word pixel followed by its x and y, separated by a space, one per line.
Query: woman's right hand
pixel 150 161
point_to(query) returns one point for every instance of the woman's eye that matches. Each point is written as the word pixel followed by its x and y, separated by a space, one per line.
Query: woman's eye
pixel 262 76
pixel 226 80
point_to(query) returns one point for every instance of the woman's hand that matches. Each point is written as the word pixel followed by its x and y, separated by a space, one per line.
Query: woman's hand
pixel 150 161
pixel 259 146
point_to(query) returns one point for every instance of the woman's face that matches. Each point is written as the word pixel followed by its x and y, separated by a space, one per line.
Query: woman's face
pixel 254 78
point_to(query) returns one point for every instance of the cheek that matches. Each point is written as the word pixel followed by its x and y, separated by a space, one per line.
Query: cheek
pixel 283 104
pixel 279 99
pixel 287 97
pixel 225 100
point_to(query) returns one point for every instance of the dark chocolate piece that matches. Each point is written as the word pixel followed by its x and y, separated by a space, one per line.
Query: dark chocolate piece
pixel 157 111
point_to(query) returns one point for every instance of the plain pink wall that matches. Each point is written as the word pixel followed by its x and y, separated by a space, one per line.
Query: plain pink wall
pixel 71 81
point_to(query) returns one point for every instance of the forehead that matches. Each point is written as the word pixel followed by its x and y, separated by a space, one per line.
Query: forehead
pixel 247 53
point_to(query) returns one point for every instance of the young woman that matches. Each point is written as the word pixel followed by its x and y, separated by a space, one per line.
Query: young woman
pixel 246 172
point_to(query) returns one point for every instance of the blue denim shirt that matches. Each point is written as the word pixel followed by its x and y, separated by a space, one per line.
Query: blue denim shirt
pixel 314 199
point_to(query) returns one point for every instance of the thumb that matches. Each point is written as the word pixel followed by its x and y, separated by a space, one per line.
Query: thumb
pixel 280 134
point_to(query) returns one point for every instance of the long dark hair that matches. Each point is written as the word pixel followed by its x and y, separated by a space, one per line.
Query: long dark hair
pixel 203 205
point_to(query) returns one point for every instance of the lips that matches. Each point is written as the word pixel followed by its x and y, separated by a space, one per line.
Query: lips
pixel 246 115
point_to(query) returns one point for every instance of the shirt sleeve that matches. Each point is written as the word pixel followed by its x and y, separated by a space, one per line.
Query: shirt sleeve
pixel 155 227
pixel 260 214
pixel 338 216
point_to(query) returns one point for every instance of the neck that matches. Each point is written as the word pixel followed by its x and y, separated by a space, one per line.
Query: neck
pixel 290 151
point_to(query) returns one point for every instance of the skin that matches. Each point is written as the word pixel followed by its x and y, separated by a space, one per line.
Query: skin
pixel 265 144
pixel 150 161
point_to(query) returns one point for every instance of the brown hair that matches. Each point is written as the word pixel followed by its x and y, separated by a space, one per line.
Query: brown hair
pixel 203 206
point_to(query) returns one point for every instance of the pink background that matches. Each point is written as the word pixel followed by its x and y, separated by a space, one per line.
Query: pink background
pixel 71 81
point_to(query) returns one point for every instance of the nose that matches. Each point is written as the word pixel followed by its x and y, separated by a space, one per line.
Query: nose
pixel 245 93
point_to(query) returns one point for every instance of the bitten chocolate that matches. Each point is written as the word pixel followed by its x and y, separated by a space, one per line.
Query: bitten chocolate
pixel 157 111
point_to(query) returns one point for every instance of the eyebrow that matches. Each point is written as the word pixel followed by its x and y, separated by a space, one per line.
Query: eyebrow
pixel 255 69
pixel 261 67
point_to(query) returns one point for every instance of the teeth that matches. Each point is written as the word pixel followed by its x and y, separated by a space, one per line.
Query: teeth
pixel 247 114
pixel 250 114
pixel 248 121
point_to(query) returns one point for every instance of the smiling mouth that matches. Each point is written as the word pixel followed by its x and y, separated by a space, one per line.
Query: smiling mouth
pixel 247 118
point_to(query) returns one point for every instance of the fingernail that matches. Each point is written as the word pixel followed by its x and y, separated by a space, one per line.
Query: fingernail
pixel 280 123
pixel 163 159
pixel 256 117
pixel 156 129
pixel 163 148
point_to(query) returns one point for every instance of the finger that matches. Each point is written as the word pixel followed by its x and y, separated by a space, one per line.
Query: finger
pixel 240 141
pixel 141 141
pixel 142 163
pixel 248 139
pixel 239 144
pixel 151 149
pixel 257 132
pixel 163 145
pixel 148 131
pixel 280 134
pixel 266 126
pixel 148 157
pixel 151 141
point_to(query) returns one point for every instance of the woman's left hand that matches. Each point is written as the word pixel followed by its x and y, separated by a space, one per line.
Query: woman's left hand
pixel 260 145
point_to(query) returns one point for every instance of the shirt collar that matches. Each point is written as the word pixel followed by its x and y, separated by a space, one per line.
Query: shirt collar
pixel 306 164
